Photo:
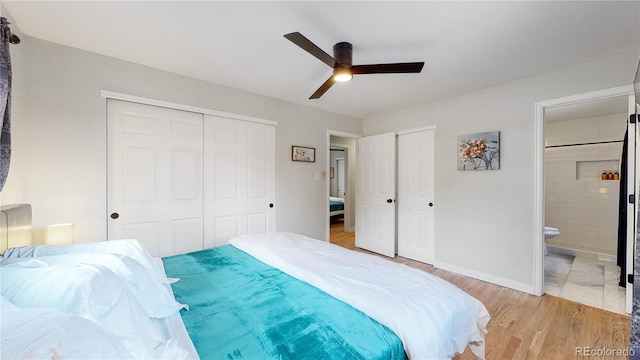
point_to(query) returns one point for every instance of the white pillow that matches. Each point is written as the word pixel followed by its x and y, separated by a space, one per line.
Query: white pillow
pixel 156 299
pixel 125 247
pixel 91 291
pixel 41 333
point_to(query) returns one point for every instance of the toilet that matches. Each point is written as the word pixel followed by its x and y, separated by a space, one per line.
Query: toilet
pixel 549 232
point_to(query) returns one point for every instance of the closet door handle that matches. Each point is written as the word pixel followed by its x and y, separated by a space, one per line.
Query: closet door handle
pixel 389 201
pixel 271 205
pixel 115 215
pixel 430 204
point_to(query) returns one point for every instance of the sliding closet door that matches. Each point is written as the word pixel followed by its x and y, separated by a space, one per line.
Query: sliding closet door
pixel 416 196
pixel 239 179
pixel 155 192
pixel 375 194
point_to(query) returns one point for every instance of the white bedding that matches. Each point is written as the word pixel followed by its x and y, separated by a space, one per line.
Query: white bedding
pixel 124 247
pixel 433 318
pixel 88 286
pixel 172 327
pixel 150 293
pixel 43 333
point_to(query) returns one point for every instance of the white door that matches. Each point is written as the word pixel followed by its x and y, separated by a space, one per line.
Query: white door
pixel 340 170
pixel 375 194
pixel 155 177
pixel 239 177
pixel 416 196
pixel 633 187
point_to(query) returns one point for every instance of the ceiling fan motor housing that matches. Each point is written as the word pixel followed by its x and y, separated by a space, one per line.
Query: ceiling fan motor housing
pixel 343 53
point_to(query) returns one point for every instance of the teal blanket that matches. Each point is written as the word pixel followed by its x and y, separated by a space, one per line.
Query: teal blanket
pixel 241 308
pixel 335 205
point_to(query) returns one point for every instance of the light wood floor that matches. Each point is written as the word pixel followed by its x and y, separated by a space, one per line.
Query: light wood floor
pixel 525 326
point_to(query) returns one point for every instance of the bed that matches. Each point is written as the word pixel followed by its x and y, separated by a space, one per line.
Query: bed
pixel 279 295
pixel 336 206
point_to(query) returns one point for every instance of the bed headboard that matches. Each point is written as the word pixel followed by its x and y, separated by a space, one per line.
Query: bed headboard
pixel 15 226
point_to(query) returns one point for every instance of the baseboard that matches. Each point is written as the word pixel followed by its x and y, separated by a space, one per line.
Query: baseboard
pixel 511 284
pixel 583 253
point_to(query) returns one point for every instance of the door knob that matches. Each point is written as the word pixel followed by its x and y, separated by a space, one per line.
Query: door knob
pixel 115 216
pixel 430 204
pixel 389 201
pixel 270 205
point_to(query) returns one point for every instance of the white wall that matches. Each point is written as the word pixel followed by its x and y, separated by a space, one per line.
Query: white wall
pixel 59 164
pixel 484 221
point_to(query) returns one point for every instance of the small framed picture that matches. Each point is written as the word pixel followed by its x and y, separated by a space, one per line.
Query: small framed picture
pixel 301 153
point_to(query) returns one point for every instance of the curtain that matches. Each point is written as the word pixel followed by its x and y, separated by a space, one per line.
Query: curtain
pixel 622 214
pixel 5 101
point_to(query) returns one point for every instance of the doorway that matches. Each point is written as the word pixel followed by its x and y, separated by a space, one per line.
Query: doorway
pixel 579 139
pixel 341 182
pixel 583 148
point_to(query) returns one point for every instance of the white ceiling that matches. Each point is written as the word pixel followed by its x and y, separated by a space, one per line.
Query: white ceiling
pixel 466 45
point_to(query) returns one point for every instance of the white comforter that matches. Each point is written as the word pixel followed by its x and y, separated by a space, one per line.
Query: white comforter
pixel 433 318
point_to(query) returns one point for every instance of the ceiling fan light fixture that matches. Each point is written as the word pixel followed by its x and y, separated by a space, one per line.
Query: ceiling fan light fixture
pixel 342 75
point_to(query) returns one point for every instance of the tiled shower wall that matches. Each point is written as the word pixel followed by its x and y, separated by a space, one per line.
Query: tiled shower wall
pixel 577 201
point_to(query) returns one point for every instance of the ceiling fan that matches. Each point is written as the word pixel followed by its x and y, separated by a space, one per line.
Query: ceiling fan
pixel 341 62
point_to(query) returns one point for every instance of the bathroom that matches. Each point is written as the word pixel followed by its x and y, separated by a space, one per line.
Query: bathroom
pixel 582 166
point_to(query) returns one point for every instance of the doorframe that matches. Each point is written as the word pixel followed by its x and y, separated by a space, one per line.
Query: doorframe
pixel 347 204
pixel 161 103
pixel 348 190
pixel 341 174
pixel 539 211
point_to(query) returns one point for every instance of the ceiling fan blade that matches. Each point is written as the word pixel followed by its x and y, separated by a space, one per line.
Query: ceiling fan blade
pixel 323 88
pixel 414 67
pixel 311 48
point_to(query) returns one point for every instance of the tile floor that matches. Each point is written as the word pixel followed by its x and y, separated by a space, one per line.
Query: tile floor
pixel 583 280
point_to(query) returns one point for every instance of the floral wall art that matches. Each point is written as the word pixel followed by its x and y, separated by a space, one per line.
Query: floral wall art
pixel 479 151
